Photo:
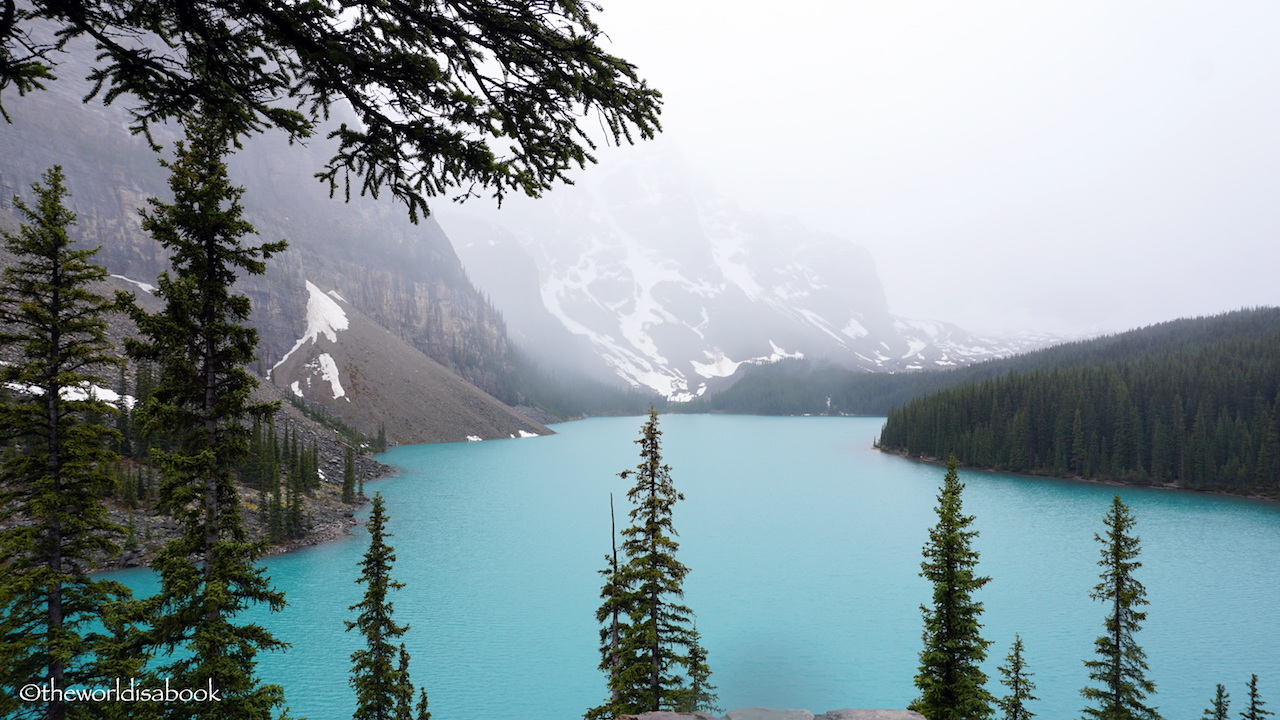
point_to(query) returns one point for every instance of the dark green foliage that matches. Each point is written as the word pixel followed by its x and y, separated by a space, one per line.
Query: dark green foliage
pixel 209 574
pixel 699 694
pixel 1121 665
pixel 648 640
pixel 1218 709
pixel 951 679
pixel 380 670
pixel 1254 711
pixel 349 476
pixel 1014 675
pixel 422 712
pixel 796 387
pixel 444 93
pixel 284 469
pixel 56 467
pixel 1200 409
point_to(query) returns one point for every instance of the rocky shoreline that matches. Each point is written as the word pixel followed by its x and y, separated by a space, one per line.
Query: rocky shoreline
pixel 330 518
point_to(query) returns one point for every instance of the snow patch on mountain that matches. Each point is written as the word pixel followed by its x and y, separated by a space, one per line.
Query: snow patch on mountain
pixel 720 365
pixel 145 287
pixel 855 329
pixel 324 317
pixel 329 373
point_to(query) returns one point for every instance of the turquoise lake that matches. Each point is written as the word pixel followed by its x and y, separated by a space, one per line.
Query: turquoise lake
pixel 804 548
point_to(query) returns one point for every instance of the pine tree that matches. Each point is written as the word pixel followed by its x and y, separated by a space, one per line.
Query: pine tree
pixel 699 695
pixel 403 691
pixel 1014 676
pixel 1218 710
pixel 56 468
pixel 1120 669
pixel 1255 711
pixel 951 679
pixel 654 632
pixel 209 574
pixel 380 671
pixel 422 712
pixel 349 476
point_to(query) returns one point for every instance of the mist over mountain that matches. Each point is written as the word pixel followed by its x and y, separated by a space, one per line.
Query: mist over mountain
pixel 674 287
pixel 641 275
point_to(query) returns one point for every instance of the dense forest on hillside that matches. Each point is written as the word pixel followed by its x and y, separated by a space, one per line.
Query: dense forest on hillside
pixel 1192 403
pixel 816 387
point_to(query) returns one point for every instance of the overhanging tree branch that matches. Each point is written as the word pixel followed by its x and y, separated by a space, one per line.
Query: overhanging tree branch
pixel 445 93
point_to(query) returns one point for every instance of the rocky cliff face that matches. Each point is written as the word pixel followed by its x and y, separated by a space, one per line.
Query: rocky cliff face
pixel 405 277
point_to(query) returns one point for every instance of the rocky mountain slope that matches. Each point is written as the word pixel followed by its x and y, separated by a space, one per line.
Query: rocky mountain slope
pixel 405 277
pixel 675 287
pixel 435 328
pixel 357 370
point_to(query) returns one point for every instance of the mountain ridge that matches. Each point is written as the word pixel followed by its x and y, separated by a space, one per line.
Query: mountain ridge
pixel 673 286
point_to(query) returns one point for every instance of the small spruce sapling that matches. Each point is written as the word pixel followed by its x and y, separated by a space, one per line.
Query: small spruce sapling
pixel 1254 710
pixel 1014 675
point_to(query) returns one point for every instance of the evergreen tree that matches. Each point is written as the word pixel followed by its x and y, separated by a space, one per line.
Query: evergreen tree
pixel 349 476
pixel 1120 668
pixel 699 695
pixel 1014 676
pixel 951 679
pixel 654 634
pixel 422 712
pixel 1255 711
pixel 403 691
pixel 209 574
pixel 1221 704
pixel 57 467
pixel 380 671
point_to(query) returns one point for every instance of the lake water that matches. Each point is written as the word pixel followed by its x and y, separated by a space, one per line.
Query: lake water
pixel 804 548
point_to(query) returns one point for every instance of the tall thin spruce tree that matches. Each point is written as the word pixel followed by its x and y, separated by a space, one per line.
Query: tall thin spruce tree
pixel 951 681
pixel 1254 711
pixel 1120 667
pixel 210 573
pixel 647 644
pixel 380 670
pixel 349 476
pixel 1219 708
pixel 55 466
pixel 1015 676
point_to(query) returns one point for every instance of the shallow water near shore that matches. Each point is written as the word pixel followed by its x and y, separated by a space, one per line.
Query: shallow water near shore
pixel 804 548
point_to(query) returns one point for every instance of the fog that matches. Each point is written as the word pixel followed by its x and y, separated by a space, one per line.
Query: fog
pixel 1061 166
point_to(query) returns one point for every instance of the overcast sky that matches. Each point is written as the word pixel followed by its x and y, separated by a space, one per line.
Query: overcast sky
pixel 1066 166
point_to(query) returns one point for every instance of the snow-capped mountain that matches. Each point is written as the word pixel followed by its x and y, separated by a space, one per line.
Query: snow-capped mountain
pixel 674 287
